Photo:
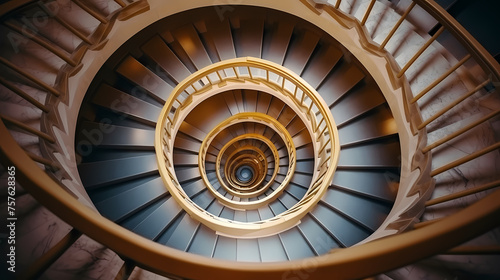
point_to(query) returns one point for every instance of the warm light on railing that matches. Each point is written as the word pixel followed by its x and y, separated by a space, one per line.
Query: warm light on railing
pixel 289 86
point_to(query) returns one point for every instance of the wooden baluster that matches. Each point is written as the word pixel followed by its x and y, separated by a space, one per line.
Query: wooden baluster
pixel 24 95
pixel 441 78
pixel 337 5
pixel 125 271
pixel 28 76
pixel 368 11
pixel 91 11
pixel 64 23
pixel 42 160
pixel 465 159
pixel 463 193
pixel 33 36
pixel 453 104
pixel 47 259
pixel 121 3
pixel 420 51
pixel 460 131
pixel 403 17
pixel 474 250
pixel 28 129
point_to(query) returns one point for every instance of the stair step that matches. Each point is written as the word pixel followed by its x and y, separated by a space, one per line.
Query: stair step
pixel 345 232
pixel 295 245
pixel 339 82
pixel 117 137
pixel 374 155
pixel 358 102
pixel 225 248
pixel 271 249
pixel 220 33
pixel 247 250
pixel 299 50
pixel 321 63
pixel 125 203
pixel 276 42
pixel 128 105
pixel 191 43
pixel 187 145
pixel 140 75
pixel 318 238
pixel 365 211
pixel 248 37
pixel 162 55
pixel 183 234
pixel 155 223
pixel 381 185
pixel 203 242
pixel 378 123
pixel 96 174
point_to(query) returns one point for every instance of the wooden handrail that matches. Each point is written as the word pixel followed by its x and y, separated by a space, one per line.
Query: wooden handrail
pixel 463 193
pixel 420 52
pixel 40 265
pixel 460 131
pixel 28 128
pixel 465 159
pixel 396 26
pixel 453 104
pixel 368 11
pixel 404 248
pixel 482 56
pixel 401 249
pixel 441 78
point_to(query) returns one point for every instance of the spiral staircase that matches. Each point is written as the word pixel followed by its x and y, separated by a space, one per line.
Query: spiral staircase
pixel 276 141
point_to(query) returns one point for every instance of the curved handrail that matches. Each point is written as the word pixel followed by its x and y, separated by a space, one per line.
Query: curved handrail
pixel 247 117
pixel 250 192
pixel 483 57
pixel 293 89
pixel 412 246
pixel 400 249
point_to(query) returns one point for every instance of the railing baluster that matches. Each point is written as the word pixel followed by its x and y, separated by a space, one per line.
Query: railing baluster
pixel 236 73
pixel 29 76
pixel 125 271
pixel 64 23
pixel 337 5
pixel 474 250
pixel 91 11
pixel 440 79
pixel 324 145
pixel 121 3
pixel 37 39
pixel 463 193
pixel 24 95
pixel 42 160
pixel 420 51
pixel 250 72
pixel 453 104
pixel 44 262
pixel 319 124
pixel 28 128
pixel 460 131
pixel 425 223
pixel 403 17
pixel 465 159
pixel 310 107
pixel 368 11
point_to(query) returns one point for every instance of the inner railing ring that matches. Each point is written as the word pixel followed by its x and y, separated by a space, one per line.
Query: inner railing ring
pixel 250 191
pixel 293 90
pixel 238 118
